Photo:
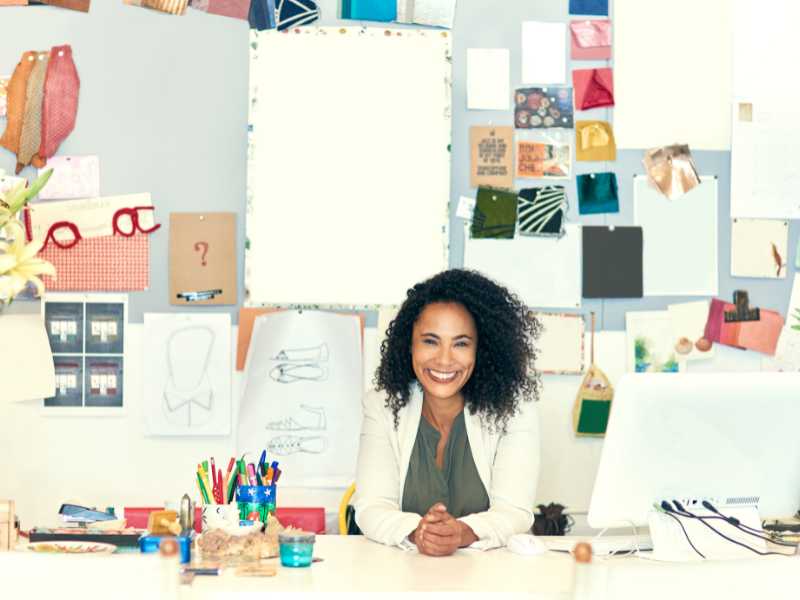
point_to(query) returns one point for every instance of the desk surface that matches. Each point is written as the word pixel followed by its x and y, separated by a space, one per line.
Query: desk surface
pixel 353 564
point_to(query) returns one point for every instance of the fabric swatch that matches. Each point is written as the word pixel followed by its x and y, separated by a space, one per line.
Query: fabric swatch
pixel 760 336
pixel 612 262
pixel 370 10
pixel 81 5
pixel 262 14
pixel 543 107
pixel 15 101
pixel 594 88
pixel 588 7
pixel 173 7
pixel 117 264
pixel 594 141
pixel 671 169
pixel 31 136
pixel 294 13
pixel 60 101
pixel 4 81
pixel 236 9
pixel 540 211
pixel 597 193
pixel 437 13
pixel 590 39
pixel 495 214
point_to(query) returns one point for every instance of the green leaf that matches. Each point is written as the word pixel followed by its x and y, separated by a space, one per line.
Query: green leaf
pixel 37 185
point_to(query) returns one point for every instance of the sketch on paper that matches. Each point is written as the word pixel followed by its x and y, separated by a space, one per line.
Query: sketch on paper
pixel 651 347
pixel 292 444
pixel 188 395
pixel 188 387
pixel 313 421
pixel 301 364
pixel 301 395
pixel 651 360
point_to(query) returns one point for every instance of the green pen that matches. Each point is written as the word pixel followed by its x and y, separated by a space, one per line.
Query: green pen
pixel 202 487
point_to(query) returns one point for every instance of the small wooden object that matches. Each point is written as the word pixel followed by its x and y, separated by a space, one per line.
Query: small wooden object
pixel 7 533
pixel 159 522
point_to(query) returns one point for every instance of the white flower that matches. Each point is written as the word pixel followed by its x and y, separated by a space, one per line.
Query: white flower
pixel 18 263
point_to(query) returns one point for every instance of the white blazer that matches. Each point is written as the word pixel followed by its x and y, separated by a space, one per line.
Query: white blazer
pixel 508 465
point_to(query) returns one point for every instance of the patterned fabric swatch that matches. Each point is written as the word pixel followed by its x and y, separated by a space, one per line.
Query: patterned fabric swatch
pixel 60 102
pixel 15 101
pixel 495 214
pixel 597 193
pixel 173 7
pixel 102 264
pixel 541 211
pixel 31 136
pixel 294 13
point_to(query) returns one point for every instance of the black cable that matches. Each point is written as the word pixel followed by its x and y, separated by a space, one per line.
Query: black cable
pixel 745 528
pixel 667 512
pixel 687 514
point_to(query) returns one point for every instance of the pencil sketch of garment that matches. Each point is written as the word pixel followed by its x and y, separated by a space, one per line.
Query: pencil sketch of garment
pixel 301 364
pixel 292 444
pixel 315 421
pixel 188 393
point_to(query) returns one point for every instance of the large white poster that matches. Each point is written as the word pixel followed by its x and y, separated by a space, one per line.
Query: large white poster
pixel 672 73
pixel 302 396
pixel 348 164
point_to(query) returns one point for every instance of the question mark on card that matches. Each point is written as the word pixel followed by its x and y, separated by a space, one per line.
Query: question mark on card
pixel 198 246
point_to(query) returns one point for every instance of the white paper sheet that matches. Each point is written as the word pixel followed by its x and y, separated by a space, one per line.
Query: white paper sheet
pixel 650 345
pixel 93 216
pixel 664 52
pixel 688 321
pixel 26 371
pixel 302 396
pixel 73 177
pixel 561 346
pixel 788 350
pixel 680 239
pixel 188 361
pixel 544 52
pixel 757 246
pixel 728 359
pixel 323 167
pixel 438 13
pixel 488 78
pixel 544 272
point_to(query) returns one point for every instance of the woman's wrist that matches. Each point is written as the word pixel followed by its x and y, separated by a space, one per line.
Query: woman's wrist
pixel 468 536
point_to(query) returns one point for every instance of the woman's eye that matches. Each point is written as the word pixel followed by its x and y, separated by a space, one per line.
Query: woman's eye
pixel 429 341
pixel 462 344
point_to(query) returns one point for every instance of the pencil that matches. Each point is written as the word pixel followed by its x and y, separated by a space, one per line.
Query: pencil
pixel 203 492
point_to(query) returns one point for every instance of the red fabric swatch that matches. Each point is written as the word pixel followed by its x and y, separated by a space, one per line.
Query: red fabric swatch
pixel 594 88
pixel 60 104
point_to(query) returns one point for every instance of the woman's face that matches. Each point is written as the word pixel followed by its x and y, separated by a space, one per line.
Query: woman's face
pixel 443 347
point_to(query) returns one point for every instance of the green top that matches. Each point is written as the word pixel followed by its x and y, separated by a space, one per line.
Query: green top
pixel 457 484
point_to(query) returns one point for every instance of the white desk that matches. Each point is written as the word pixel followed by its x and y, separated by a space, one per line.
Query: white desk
pixel 353 564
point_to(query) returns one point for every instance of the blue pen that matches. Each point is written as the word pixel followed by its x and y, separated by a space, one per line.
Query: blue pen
pixel 261 462
pixel 274 465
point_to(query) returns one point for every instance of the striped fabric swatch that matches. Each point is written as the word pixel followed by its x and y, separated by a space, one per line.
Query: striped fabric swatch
pixel 173 7
pixel 540 211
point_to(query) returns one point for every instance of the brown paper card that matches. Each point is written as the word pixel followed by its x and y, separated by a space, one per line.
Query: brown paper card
pixel 81 5
pixel 492 159
pixel 13 2
pixel 202 258
pixel 247 320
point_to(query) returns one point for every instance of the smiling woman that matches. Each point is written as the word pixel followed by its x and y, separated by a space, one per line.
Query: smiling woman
pixel 449 451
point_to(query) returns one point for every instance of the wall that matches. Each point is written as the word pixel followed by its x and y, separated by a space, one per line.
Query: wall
pixel 164 105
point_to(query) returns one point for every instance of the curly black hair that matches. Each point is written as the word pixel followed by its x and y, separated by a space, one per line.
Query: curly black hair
pixel 505 356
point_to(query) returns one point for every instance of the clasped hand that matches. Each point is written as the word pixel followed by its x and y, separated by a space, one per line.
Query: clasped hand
pixel 440 534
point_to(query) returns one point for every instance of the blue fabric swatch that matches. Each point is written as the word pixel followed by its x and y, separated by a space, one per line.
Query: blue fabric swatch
pixel 262 14
pixel 597 193
pixel 588 7
pixel 370 10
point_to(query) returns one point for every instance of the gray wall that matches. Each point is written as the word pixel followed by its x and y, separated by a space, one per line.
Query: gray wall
pixel 164 104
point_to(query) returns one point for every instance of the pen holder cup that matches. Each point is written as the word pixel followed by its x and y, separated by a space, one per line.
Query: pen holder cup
pixel 259 499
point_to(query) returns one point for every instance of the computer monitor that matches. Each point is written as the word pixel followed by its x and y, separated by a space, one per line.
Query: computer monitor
pixel 718 435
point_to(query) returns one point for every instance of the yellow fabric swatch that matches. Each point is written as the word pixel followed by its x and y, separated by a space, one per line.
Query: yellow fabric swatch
pixel 594 140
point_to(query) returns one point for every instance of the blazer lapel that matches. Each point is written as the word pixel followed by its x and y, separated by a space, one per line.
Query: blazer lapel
pixel 477 445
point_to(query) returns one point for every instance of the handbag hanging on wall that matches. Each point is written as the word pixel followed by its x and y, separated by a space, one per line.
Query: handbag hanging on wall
pixel 593 401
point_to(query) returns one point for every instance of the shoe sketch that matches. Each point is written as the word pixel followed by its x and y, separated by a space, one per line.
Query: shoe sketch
pixel 305 355
pixel 188 396
pixel 292 444
pixel 317 421
pixel 291 372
